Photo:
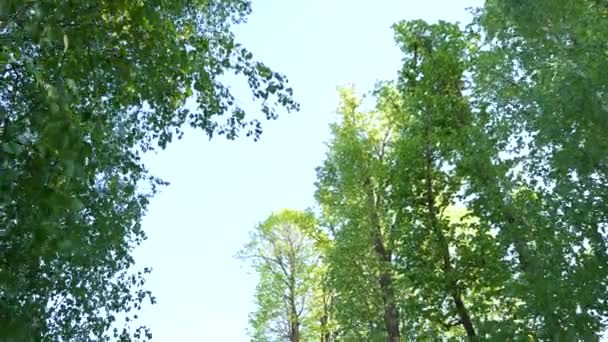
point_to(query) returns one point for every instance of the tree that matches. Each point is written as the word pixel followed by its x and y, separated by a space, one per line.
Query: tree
pixel 432 135
pixel 471 201
pixel 408 253
pixel 321 320
pixel 539 78
pixel 352 190
pixel 286 260
pixel 85 87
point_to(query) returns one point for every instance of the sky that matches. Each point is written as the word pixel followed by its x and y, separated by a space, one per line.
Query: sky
pixel 220 189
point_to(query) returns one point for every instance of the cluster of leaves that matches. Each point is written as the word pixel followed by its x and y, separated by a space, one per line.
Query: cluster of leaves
pixel 285 255
pixel 389 180
pixel 85 88
pixel 470 202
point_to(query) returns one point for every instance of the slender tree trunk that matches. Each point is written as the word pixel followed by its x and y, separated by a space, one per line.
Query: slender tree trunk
pixel 294 322
pixel 294 319
pixel 323 324
pixel 295 332
pixel 391 312
pixel 325 333
pixel 464 314
pixel 324 320
pixel 461 309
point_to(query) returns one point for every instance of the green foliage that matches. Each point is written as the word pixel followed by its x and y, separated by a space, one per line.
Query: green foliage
pixel 351 191
pixel 482 171
pixel 541 76
pixel 85 87
pixel 285 257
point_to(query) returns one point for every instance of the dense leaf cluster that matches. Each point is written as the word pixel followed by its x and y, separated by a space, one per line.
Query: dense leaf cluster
pixel 85 88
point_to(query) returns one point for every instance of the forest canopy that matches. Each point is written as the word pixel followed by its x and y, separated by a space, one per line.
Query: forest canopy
pixel 469 203
pixel 87 87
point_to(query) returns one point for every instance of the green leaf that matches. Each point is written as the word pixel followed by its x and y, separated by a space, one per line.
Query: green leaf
pixel 131 83
pixel 72 84
pixel 3 58
pixel 12 148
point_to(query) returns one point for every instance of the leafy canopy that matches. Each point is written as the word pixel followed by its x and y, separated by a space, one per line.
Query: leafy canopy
pixel 85 87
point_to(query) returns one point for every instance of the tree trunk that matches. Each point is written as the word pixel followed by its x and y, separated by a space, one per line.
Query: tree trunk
pixel 461 309
pixel 294 319
pixel 295 332
pixel 464 315
pixel 325 318
pixel 391 312
pixel 325 334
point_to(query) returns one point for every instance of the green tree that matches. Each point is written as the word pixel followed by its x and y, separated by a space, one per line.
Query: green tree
pixel 540 78
pixel 286 259
pixel 471 201
pixel 352 191
pixel 434 121
pixel 85 87
pixel 408 257
pixel 321 320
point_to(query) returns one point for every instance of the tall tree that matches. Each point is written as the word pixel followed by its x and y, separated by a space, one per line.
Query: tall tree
pixel 471 202
pixel 432 134
pixel 285 257
pixel 321 319
pixel 352 190
pixel 403 256
pixel 541 79
pixel 85 87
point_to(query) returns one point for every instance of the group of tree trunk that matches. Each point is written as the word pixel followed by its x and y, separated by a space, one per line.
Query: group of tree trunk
pixel 470 202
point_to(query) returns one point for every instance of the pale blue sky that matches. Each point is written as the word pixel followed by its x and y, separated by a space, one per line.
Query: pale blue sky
pixel 220 189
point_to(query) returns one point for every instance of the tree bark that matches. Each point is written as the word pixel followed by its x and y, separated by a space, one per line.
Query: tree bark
pixel 295 332
pixel 391 312
pixel 294 319
pixel 324 320
pixel 325 334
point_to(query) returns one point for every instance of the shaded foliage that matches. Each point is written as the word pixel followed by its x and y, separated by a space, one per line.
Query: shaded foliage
pixel 85 88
